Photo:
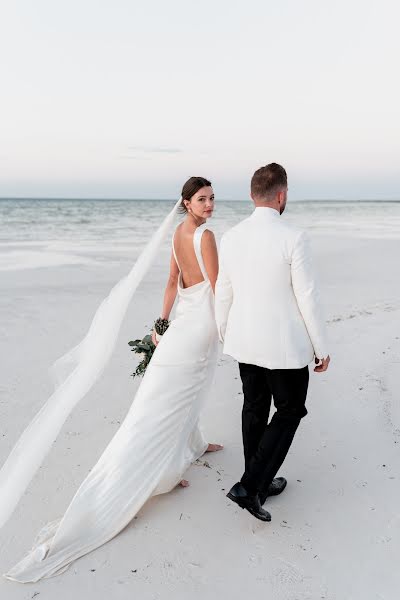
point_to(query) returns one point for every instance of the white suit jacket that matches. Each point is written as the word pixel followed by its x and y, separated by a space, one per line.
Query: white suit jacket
pixel 267 307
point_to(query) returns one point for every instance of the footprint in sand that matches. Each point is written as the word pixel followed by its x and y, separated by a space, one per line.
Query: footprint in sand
pixel 287 575
pixel 290 583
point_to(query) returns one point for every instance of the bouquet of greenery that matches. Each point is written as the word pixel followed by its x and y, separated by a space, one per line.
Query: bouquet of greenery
pixel 145 348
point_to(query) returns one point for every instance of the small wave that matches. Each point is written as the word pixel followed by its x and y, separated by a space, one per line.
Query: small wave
pixel 17 260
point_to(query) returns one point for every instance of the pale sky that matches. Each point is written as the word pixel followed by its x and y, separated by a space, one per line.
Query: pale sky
pixel 128 98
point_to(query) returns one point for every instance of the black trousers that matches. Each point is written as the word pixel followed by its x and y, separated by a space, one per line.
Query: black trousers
pixel 267 444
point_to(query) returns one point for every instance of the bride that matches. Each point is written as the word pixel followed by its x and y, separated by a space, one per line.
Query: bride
pixel 160 436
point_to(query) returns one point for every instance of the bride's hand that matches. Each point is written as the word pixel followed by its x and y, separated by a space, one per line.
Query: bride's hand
pixel 154 338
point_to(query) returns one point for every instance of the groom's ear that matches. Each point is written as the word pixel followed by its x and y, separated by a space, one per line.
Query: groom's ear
pixel 281 196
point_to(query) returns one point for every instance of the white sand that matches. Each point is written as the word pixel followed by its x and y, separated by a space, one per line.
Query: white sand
pixel 334 533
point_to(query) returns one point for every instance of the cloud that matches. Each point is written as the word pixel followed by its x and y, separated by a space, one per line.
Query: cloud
pixel 133 157
pixel 145 152
pixel 154 150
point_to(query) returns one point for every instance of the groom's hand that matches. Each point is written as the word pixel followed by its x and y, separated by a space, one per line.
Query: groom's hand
pixel 322 364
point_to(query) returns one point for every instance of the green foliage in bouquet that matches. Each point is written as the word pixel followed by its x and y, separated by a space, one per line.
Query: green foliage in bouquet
pixel 161 326
pixel 145 348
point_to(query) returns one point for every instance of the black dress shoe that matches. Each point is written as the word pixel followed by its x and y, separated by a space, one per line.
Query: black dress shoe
pixel 275 487
pixel 239 495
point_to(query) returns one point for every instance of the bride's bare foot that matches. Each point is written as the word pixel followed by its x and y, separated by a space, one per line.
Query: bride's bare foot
pixel 184 483
pixel 214 447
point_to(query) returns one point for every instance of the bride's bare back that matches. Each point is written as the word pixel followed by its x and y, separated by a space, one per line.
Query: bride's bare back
pixel 186 255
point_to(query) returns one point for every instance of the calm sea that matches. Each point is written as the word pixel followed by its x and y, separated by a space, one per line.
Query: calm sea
pixel 35 232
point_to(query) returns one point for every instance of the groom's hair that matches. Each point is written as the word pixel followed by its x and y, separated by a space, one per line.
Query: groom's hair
pixel 267 181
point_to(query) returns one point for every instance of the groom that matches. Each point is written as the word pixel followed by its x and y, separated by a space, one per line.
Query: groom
pixel 269 318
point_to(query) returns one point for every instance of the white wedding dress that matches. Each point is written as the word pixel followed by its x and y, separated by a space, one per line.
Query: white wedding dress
pixel 155 444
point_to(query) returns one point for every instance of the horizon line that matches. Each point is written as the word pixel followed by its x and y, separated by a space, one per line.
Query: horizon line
pixel 113 199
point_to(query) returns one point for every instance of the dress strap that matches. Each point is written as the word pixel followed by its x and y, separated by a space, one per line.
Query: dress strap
pixel 197 248
pixel 173 250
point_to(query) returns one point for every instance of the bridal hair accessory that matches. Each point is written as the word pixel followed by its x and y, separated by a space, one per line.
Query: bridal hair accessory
pixel 74 375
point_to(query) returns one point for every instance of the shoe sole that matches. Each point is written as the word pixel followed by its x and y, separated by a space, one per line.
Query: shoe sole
pixel 237 501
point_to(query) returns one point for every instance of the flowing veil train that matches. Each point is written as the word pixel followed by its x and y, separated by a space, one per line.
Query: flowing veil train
pixel 74 374
pixel 156 442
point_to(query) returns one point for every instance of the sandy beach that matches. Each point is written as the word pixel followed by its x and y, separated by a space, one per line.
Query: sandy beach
pixel 334 533
pixel 112 114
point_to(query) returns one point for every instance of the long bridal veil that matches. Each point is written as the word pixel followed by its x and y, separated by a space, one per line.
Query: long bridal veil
pixel 74 374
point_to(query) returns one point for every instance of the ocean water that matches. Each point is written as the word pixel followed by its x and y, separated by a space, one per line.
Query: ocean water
pixel 44 233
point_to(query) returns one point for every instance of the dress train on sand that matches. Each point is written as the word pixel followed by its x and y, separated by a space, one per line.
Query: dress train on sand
pixel 157 441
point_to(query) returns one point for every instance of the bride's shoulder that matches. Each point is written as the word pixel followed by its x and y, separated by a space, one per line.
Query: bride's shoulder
pixel 177 230
pixel 208 234
pixel 208 239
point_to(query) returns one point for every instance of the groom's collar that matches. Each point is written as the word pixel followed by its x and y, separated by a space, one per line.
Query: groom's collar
pixel 266 211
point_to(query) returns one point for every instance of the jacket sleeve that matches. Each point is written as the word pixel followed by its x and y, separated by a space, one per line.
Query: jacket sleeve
pixel 307 296
pixel 223 293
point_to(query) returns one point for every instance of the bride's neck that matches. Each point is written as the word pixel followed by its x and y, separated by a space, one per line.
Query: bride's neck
pixel 192 220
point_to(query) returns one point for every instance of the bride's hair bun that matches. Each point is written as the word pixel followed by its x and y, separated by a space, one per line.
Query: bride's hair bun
pixel 190 188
